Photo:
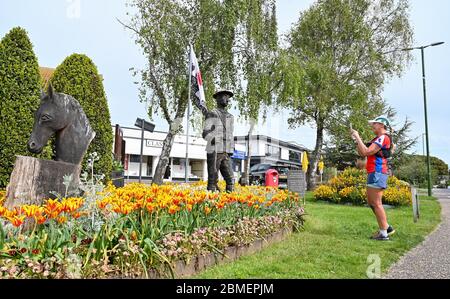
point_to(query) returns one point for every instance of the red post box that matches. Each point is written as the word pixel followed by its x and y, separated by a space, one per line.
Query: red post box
pixel 272 178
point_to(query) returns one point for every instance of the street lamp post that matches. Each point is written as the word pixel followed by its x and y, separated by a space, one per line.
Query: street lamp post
pixel 422 48
pixel 144 126
pixel 426 119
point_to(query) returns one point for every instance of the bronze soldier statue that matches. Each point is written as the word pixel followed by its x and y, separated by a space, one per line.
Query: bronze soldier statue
pixel 218 132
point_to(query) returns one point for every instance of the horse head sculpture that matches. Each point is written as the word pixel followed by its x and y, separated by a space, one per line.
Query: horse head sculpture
pixel 62 115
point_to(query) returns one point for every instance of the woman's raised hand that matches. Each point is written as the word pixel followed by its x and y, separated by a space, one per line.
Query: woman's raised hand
pixel 354 134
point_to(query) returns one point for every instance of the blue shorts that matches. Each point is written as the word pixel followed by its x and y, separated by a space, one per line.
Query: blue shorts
pixel 377 180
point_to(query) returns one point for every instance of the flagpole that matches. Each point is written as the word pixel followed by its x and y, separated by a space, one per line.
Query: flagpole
pixel 186 174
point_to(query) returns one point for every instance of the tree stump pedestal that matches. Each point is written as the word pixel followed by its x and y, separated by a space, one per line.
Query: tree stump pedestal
pixel 33 180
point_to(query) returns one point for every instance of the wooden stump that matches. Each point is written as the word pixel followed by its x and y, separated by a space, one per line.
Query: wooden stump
pixel 33 179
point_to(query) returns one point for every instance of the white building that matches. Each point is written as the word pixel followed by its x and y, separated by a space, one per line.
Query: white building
pixel 152 149
pixel 268 150
pixel 264 150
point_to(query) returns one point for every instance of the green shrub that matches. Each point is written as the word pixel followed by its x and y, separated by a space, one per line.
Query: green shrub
pixel 324 192
pixel 329 173
pixel 349 187
pixel 77 76
pixel 19 97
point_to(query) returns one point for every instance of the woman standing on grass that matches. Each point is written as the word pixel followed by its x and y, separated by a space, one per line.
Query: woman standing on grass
pixel 377 153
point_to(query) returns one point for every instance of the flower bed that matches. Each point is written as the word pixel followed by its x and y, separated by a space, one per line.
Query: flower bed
pixel 195 264
pixel 126 232
pixel 350 187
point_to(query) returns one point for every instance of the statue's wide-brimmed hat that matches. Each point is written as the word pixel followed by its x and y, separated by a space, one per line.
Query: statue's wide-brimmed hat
pixel 223 91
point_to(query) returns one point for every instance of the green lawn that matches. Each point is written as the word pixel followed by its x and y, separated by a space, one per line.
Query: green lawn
pixel 334 244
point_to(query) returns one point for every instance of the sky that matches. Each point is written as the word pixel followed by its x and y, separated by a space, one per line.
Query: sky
pixel 58 28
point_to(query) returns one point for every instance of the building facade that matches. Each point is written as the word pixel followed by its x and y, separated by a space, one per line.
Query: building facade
pixel 269 150
pixel 153 142
pixel 263 150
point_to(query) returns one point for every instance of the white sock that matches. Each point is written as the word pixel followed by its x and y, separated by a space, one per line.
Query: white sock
pixel 383 232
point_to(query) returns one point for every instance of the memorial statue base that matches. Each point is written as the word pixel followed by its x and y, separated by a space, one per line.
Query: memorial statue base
pixel 33 180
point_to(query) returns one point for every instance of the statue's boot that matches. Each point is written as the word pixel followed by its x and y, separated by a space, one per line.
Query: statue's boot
pixel 212 188
pixel 229 188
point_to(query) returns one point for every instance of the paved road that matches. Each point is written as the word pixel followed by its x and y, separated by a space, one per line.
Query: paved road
pixel 431 259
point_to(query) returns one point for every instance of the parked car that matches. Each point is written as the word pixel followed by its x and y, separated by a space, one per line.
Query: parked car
pixel 257 175
pixel 443 182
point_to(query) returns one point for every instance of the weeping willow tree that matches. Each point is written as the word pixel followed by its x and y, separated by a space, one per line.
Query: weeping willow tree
pixel 339 55
pixel 229 39
pixel 257 49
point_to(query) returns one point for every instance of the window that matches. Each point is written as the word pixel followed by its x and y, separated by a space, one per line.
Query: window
pixel 135 158
pixel 254 167
pixel 282 170
pixel 295 156
pixel 149 166
pixel 273 151
pixel 264 167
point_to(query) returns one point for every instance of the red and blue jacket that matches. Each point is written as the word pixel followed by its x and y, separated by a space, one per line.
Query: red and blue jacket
pixel 378 162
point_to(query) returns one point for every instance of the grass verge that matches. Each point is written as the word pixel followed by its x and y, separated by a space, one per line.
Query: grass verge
pixel 335 244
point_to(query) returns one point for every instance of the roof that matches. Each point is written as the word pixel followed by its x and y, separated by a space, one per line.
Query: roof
pixel 154 131
pixel 46 73
pixel 291 145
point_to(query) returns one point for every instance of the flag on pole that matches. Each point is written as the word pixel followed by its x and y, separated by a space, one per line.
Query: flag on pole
pixel 305 162
pixel 197 83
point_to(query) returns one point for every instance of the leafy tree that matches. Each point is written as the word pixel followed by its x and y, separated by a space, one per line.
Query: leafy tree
pixel 339 55
pixel 78 76
pixel 414 170
pixel 440 166
pixel 19 97
pixel 228 38
pixel 256 49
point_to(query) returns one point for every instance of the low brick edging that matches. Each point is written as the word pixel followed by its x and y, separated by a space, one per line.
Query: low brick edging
pixel 182 269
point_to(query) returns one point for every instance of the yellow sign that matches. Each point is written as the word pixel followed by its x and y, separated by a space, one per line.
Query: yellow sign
pixel 305 162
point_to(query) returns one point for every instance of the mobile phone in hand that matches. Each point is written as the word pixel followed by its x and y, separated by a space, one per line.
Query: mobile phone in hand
pixel 351 131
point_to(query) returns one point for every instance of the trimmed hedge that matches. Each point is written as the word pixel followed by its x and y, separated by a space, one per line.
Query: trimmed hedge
pixel 78 76
pixel 350 187
pixel 19 97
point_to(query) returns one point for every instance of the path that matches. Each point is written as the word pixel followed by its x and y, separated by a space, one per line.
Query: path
pixel 431 259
